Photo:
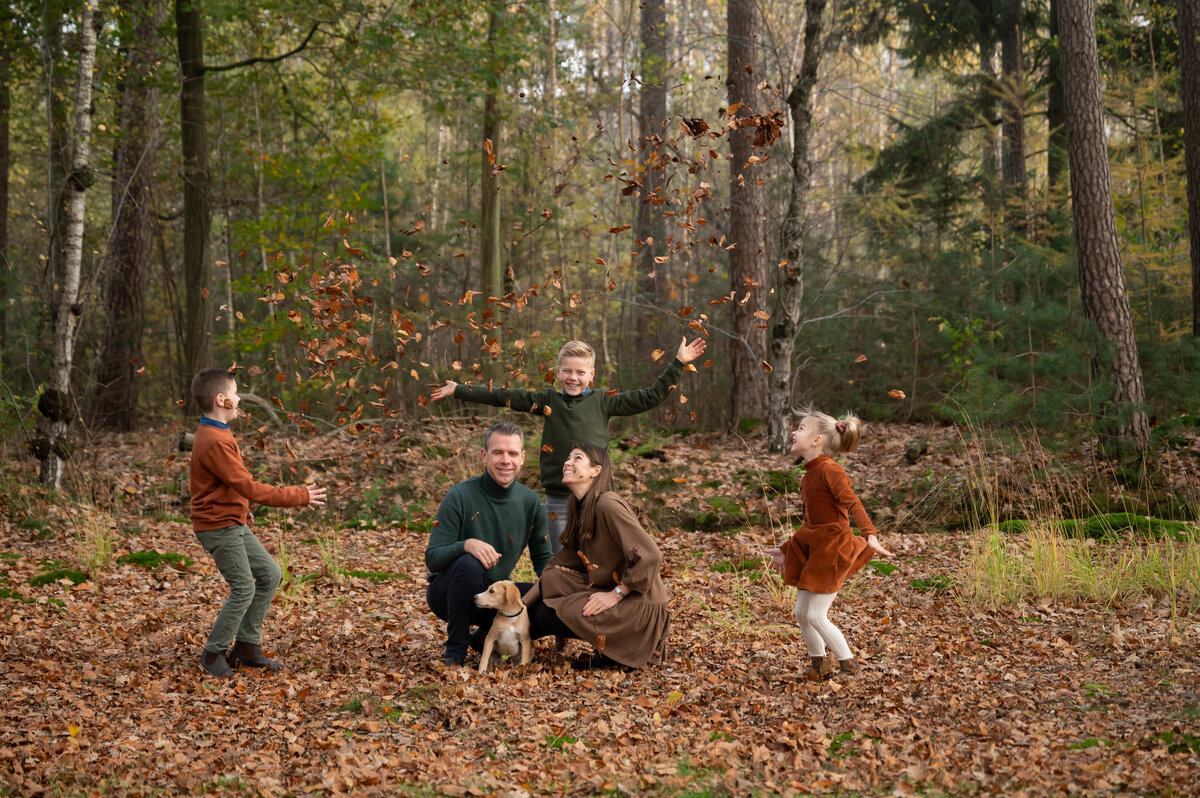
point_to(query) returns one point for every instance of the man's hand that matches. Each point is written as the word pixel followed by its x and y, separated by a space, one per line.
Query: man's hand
pixel 482 552
pixel 316 496
pixel 689 352
pixel 599 602
pixel 445 392
pixel 875 545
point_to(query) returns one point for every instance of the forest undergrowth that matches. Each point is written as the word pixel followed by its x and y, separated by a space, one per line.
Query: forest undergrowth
pixel 1027 683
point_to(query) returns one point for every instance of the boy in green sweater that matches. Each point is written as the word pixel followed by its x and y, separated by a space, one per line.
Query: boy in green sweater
pixel 482 527
pixel 577 414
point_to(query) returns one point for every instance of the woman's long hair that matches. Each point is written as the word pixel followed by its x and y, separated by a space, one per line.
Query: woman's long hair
pixel 581 514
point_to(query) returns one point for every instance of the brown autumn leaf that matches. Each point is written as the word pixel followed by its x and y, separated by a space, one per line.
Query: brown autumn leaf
pixel 860 359
pixel 621 229
pixel 767 367
pixel 657 354
pixel 896 393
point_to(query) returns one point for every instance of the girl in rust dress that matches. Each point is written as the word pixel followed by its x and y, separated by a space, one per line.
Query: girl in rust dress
pixel 823 552
pixel 604 587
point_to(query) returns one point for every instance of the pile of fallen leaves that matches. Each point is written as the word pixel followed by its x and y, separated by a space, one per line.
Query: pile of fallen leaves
pixel 103 694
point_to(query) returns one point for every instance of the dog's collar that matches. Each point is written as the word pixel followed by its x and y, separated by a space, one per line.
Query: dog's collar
pixel 514 615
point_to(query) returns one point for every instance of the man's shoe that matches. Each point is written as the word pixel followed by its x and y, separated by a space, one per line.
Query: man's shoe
pixel 252 656
pixel 216 665
pixel 454 662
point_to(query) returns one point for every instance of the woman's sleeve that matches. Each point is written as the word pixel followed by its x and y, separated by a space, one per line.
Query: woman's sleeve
pixel 642 556
pixel 843 492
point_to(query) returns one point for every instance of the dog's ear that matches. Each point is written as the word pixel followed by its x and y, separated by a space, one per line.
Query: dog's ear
pixel 512 594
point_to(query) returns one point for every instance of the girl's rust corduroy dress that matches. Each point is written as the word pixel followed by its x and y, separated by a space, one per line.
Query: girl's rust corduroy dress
pixel 824 551
pixel 632 632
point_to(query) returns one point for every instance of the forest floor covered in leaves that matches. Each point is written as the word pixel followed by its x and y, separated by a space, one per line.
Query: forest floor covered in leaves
pixel 103 694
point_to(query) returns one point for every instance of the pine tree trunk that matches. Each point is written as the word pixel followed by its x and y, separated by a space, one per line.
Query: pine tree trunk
pixel 491 276
pixel 1189 65
pixel 197 214
pixel 649 226
pixel 789 278
pixel 1013 127
pixel 115 404
pixel 747 262
pixel 67 308
pixel 1102 284
pixel 1056 150
pixel 5 106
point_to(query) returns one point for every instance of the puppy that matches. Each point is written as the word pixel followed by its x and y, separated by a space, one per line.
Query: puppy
pixel 510 630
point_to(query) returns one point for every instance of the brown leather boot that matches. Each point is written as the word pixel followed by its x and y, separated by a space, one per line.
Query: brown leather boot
pixel 849 667
pixel 252 656
pixel 816 673
pixel 216 665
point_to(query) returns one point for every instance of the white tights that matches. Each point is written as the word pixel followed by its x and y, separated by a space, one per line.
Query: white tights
pixel 811 613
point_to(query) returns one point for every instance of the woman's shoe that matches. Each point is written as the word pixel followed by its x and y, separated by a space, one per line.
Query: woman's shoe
pixel 591 662
pixel 849 667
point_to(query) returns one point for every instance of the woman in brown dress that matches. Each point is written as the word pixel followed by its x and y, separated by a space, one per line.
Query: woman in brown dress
pixel 604 586
pixel 819 557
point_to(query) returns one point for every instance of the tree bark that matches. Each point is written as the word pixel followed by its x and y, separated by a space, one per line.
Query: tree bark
pixel 1189 65
pixel 747 261
pixel 197 214
pixel 1056 150
pixel 67 308
pixel 1102 284
pixel 57 162
pixel 491 275
pixel 5 106
pixel 1013 83
pixel 789 278
pixel 649 227
pixel 115 404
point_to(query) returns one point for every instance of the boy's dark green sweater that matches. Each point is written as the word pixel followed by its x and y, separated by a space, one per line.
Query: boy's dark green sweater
pixel 573 419
pixel 508 518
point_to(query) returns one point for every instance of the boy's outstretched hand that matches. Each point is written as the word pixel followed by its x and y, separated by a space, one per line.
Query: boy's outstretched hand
pixel 316 496
pixel 689 352
pixel 445 391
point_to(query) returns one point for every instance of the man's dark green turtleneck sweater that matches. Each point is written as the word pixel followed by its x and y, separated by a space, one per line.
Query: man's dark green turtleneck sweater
pixel 508 518
pixel 573 419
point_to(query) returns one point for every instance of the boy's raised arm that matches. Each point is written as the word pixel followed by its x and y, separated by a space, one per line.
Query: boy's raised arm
pixel 629 403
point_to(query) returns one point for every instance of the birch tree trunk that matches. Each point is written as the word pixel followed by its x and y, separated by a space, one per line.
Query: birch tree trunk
pixel 789 278
pixel 1189 65
pixel 1101 282
pixel 67 308
pixel 747 261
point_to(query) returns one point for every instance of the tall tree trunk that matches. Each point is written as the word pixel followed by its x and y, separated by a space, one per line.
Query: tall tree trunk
pixel 1105 300
pixel 67 310
pixel 116 399
pixel 789 278
pixel 1013 88
pixel 747 261
pixel 5 105
pixel 1056 150
pixel 1189 65
pixel 649 227
pixel 58 153
pixel 197 214
pixel 491 275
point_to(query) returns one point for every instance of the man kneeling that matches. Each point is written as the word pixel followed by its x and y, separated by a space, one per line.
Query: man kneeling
pixel 482 527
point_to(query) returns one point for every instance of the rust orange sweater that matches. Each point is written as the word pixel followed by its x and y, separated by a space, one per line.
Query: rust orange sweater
pixel 222 488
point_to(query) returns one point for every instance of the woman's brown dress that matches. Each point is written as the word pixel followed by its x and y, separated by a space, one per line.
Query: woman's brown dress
pixel 824 551
pixel 634 631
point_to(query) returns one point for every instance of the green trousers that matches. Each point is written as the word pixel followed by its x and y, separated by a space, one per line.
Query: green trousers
pixel 252 575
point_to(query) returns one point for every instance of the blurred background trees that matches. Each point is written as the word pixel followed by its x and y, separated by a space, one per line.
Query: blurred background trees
pixel 354 200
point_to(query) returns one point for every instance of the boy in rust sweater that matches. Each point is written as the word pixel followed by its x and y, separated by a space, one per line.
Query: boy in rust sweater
pixel 222 490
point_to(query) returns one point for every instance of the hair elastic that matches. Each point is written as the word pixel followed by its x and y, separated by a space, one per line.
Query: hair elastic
pixel 841 427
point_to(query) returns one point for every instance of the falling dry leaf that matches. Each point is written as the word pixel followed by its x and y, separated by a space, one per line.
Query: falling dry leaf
pixel 896 393
pixel 860 359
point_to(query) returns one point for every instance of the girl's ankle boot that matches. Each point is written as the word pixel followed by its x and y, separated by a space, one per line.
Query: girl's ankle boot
pixel 849 667
pixel 815 672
